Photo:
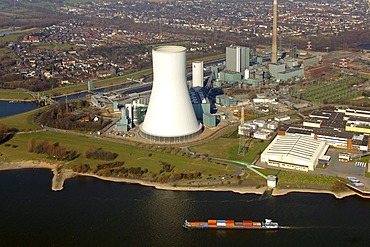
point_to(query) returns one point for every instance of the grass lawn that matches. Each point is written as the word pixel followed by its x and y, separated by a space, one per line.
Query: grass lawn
pixel 14 94
pixel 54 46
pixel 300 179
pixel 16 149
pixel 227 148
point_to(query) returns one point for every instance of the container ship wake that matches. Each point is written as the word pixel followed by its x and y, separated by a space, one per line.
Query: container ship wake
pixel 231 224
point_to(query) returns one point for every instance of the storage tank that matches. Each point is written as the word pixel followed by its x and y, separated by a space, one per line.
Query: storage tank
pixel 197 69
pixel 170 116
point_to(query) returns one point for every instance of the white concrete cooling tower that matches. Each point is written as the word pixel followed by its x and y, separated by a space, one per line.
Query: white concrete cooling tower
pixel 170 116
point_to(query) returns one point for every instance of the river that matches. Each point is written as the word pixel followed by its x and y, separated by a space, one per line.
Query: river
pixel 7 108
pixel 91 212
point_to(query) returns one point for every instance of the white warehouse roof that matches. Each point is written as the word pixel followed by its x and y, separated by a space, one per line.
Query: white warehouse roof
pixel 294 152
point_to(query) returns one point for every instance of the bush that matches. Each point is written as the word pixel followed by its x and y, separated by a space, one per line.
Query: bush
pixel 166 167
pixel 54 151
pixel 100 154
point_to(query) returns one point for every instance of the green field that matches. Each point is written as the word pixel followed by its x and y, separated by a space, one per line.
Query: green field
pixel 336 91
pixel 16 149
pixel 227 148
pixel 54 46
pixel 133 156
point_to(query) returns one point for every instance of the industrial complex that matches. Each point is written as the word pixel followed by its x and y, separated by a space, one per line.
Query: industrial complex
pixel 188 103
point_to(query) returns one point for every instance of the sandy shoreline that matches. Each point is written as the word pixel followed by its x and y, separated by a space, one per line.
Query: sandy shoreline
pixel 27 164
pixel 61 176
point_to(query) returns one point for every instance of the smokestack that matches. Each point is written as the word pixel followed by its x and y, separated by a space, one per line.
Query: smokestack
pixel 274 35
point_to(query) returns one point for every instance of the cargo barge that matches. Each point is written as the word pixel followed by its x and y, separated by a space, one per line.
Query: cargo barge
pixel 231 224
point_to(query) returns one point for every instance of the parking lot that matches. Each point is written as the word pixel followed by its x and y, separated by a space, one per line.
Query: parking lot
pixel 340 167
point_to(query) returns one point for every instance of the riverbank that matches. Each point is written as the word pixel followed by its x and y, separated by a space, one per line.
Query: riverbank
pixel 15 101
pixel 61 175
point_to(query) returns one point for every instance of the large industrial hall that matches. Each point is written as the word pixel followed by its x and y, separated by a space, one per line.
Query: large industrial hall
pixel 294 152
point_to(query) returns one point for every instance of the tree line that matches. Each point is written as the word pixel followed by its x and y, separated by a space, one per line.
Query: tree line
pixel 66 116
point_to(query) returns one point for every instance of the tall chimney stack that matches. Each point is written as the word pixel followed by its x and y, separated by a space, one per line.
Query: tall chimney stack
pixel 274 35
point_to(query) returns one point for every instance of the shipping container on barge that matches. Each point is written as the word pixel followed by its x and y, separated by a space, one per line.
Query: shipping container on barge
pixel 231 224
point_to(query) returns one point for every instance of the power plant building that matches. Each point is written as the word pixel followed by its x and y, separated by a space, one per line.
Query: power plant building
pixel 237 58
pixel 200 104
pixel 226 100
pixel 289 74
pixel 230 76
pixel 209 120
pixel 276 68
pixel 170 116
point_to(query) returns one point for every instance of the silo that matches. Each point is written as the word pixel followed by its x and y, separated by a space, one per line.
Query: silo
pixel 170 116
pixel 197 69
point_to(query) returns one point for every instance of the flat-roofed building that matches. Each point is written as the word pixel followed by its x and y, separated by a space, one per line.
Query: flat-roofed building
pixel 282 118
pixel 338 139
pixel 294 152
pixel 358 124
pixel 355 111
pixel 325 119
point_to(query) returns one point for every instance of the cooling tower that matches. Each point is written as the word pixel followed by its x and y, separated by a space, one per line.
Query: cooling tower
pixel 197 74
pixel 170 116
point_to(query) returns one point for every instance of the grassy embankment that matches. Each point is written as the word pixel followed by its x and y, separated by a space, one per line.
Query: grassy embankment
pixel 14 94
pixel 16 149
pixel 364 75
pixel 303 180
pixel 23 121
